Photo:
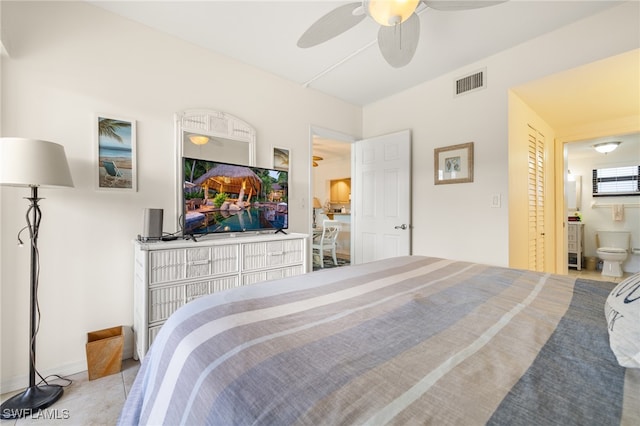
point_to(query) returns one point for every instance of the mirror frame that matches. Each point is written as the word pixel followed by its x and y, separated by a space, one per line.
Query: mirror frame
pixel 209 123
pixel 576 197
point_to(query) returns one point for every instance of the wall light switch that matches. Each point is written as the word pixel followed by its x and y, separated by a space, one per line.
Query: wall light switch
pixel 496 201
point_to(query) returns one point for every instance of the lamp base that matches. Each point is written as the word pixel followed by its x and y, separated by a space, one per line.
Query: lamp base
pixel 30 401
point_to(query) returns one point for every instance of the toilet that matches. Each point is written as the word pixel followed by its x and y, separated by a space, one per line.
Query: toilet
pixel 613 249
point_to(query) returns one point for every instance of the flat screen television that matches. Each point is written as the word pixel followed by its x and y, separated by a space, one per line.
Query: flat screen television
pixel 222 197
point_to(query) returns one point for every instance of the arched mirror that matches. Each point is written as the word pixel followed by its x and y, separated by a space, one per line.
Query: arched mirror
pixel 211 135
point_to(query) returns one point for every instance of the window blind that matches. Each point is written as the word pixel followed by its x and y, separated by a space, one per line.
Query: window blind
pixel 614 181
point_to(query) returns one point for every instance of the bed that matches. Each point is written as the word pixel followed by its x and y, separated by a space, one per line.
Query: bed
pixel 408 340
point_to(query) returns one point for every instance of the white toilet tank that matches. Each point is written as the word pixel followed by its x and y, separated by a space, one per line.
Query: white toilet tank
pixel 614 239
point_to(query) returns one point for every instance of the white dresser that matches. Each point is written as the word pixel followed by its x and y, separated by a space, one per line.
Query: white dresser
pixel 575 243
pixel 169 274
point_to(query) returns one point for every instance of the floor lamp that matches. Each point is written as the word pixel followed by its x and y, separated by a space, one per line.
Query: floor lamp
pixel 32 163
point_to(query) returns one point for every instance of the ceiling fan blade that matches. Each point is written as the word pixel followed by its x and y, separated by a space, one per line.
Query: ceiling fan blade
pixel 460 5
pixel 398 44
pixel 332 24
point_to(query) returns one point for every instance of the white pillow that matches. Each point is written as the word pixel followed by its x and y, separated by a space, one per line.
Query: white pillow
pixel 622 310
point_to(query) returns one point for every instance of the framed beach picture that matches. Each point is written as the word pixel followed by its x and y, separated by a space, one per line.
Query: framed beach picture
pixel 281 159
pixel 116 153
pixel 453 164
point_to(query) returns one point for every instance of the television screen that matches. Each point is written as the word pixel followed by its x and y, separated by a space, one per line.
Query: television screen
pixel 222 197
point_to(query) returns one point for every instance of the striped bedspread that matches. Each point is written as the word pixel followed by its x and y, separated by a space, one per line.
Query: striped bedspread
pixel 409 340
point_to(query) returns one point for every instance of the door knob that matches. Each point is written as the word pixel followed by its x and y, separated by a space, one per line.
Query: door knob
pixel 403 226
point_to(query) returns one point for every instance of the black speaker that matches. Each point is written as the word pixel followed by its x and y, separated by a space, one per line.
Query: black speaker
pixel 152 224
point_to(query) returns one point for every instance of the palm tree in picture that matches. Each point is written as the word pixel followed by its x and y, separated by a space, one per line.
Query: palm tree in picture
pixel 189 170
pixel 283 181
pixel 109 127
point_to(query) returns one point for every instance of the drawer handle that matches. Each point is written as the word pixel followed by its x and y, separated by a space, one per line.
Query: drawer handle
pixel 199 262
pixel 276 253
pixel 166 266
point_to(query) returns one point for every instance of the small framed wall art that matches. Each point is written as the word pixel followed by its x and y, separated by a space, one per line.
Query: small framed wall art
pixel 281 159
pixel 453 164
pixel 115 153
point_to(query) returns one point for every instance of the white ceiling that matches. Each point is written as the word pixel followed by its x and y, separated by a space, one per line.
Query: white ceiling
pixel 628 149
pixel 596 92
pixel 350 66
pixel 264 33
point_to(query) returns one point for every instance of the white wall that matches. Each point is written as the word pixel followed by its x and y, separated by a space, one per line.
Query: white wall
pixel 457 221
pixel 70 60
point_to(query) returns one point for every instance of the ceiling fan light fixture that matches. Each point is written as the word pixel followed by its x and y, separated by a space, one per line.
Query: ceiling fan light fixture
pixel 606 147
pixel 390 12
pixel 198 139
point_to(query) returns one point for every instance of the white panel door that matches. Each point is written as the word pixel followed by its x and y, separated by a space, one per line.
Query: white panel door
pixel 382 197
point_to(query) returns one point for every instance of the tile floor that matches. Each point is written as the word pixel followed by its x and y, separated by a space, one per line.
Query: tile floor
pixel 84 402
pixel 596 275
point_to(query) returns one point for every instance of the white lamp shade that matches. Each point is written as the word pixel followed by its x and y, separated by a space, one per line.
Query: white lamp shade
pixel 199 139
pixel 32 162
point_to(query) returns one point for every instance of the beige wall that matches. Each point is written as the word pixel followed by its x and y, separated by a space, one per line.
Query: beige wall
pixel 70 60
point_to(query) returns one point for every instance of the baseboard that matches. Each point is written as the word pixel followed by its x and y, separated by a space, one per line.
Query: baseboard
pixel 20 382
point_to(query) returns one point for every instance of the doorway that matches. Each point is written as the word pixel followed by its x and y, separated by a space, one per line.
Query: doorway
pixel 558 100
pixel 590 213
pixel 330 195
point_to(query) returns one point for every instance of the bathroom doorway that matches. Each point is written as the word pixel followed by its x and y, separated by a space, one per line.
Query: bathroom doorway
pixel 596 213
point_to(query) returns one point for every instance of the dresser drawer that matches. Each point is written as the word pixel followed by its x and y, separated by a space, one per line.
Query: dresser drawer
pixel 170 275
pixel 272 274
pixel 164 300
pixel 172 265
pixel 153 332
pixel 225 260
pixel 272 253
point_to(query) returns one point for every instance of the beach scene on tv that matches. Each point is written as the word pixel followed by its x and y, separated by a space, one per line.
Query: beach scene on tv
pixel 222 197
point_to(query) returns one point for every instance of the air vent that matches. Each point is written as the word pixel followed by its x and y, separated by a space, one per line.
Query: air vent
pixel 470 83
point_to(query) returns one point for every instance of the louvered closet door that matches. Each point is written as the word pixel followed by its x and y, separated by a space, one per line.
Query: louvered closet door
pixel 536 200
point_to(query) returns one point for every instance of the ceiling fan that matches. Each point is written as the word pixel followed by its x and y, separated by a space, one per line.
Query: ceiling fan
pixel 399 24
